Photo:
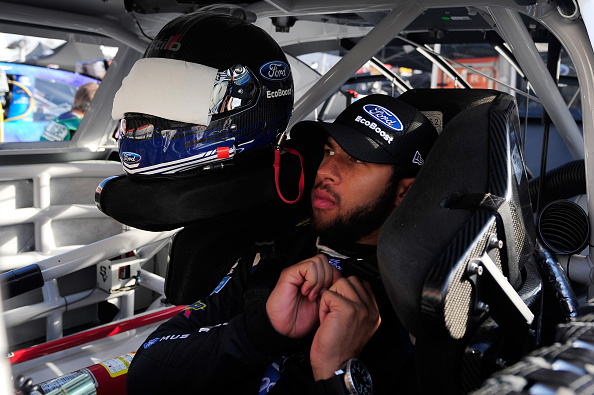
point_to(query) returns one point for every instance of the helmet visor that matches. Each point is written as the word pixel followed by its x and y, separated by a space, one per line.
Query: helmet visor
pixel 152 145
pixel 234 89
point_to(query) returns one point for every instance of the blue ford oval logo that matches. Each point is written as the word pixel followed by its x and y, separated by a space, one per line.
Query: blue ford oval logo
pixel 131 157
pixel 385 116
pixel 151 342
pixel 275 70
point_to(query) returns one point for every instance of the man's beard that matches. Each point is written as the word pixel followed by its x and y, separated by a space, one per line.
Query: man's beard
pixel 357 223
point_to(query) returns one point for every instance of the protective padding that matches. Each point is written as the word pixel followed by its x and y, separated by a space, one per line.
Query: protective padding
pixel 202 254
pixel 223 213
pixel 157 203
pixel 425 245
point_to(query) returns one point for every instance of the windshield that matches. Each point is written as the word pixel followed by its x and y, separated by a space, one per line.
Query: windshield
pixel 39 80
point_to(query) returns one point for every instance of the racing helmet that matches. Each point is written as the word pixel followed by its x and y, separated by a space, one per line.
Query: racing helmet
pixel 209 87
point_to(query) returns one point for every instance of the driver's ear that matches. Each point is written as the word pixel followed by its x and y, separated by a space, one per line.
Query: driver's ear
pixel 403 186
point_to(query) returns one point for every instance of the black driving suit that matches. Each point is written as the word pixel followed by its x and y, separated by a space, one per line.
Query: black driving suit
pixel 225 343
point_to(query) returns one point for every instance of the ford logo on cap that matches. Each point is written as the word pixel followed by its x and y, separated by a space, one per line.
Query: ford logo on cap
pixel 385 116
pixel 131 157
pixel 275 70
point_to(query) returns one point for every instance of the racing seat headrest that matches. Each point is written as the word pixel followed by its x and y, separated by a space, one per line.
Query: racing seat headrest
pixel 159 203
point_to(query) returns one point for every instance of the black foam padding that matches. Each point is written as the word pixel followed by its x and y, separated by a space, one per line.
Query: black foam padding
pixel 202 254
pixel 19 281
pixel 155 203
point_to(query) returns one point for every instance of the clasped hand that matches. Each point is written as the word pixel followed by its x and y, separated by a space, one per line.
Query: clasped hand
pixel 313 292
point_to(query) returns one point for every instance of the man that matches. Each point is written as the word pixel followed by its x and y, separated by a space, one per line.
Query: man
pixel 63 126
pixel 329 311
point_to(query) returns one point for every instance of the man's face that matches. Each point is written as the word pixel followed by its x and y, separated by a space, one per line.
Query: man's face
pixel 350 198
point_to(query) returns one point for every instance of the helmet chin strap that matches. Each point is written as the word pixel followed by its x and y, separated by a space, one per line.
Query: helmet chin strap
pixel 277 151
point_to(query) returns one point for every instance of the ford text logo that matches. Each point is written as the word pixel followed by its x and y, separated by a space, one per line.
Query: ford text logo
pixel 383 115
pixel 275 70
pixel 150 342
pixel 130 157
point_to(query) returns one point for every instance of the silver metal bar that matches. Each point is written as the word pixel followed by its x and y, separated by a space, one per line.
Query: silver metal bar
pixel 94 137
pixel 6 376
pixel 152 281
pixel 53 323
pixel 80 169
pixel 507 288
pixel 574 37
pixel 59 305
pixel 14 261
pixel 437 54
pixel 394 78
pixel 283 5
pixel 510 25
pixel 57 212
pixel 330 82
pixel 444 66
pixel 126 305
pixel 59 19
pixel 89 255
pixel 19 315
pixel 146 252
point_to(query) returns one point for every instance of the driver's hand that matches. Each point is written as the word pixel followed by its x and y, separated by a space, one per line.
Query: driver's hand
pixel 348 318
pixel 293 305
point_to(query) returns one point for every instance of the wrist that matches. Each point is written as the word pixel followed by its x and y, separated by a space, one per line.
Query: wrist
pixel 352 379
pixel 327 370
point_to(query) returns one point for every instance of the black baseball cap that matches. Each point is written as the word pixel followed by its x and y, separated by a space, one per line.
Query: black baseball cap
pixel 377 129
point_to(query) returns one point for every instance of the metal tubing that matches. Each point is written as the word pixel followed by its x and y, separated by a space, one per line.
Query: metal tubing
pixel 57 170
pixel 573 35
pixel 152 281
pixel 95 334
pixel 146 252
pixel 90 254
pixel 53 322
pixel 11 262
pixel 44 238
pixel 512 28
pixel 66 211
pixel 84 24
pixel 5 371
pixel 23 314
pixel 579 268
pixel 86 298
pixel 126 305
pixel 19 315
pixel 315 7
pixel 330 82
pixel 15 261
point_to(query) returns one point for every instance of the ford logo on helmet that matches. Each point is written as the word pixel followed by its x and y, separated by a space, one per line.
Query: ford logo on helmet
pixel 385 116
pixel 131 157
pixel 275 70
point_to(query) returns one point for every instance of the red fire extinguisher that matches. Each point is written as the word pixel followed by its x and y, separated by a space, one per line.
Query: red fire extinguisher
pixel 104 378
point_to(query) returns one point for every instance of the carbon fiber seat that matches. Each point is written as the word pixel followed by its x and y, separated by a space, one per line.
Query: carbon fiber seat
pixel 459 257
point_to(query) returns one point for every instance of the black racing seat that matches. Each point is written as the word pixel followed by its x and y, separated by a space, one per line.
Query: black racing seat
pixel 459 257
